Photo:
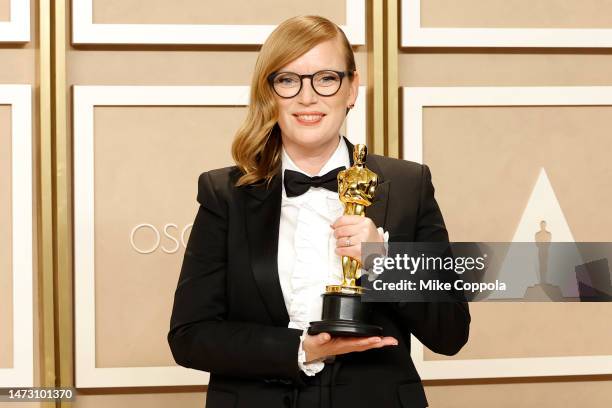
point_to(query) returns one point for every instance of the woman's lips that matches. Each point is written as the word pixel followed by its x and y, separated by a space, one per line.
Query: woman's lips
pixel 309 119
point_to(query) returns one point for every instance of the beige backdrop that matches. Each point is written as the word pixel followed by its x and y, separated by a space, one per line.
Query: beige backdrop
pixel 18 65
pixel 212 12
pixel 484 163
pixel 6 246
pixel 5 10
pixel 486 160
pixel 147 163
pixel 517 13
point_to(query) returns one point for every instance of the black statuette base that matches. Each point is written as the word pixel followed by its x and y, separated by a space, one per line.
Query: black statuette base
pixel 344 315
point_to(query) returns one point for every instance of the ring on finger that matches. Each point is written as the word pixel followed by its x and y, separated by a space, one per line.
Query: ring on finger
pixel 347 242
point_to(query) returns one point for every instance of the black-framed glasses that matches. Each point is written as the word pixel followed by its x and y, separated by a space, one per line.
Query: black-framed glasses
pixel 324 83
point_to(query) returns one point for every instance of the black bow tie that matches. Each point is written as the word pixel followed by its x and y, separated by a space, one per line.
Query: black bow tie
pixel 297 183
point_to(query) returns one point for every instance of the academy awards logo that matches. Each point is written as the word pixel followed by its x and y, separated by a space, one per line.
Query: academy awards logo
pixel 173 238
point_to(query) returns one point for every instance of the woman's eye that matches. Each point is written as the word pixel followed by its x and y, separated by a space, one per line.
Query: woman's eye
pixel 327 79
pixel 286 81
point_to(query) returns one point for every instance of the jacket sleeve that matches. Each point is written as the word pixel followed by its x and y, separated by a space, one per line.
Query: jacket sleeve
pixel 200 335
pixel 443 327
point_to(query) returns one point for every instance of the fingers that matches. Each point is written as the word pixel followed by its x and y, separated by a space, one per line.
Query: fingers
pixel 315 345
pixel 369 343
pixel 343 345
pixel 322 338
pixel 389 341
pixel 378 342
pixel 345 220
pixel 353 240
pixel 323 344
pixel 351 230
pixel 358 229
pixel 353 251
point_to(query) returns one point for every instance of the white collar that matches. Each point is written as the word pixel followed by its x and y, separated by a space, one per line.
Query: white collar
pixel 339 158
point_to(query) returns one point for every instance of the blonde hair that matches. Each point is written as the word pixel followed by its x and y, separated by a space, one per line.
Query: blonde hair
pixel 257 145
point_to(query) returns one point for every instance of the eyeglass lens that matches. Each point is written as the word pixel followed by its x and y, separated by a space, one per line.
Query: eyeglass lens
pixel 288 84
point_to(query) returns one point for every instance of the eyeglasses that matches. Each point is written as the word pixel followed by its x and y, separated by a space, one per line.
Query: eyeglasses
pixel 324 83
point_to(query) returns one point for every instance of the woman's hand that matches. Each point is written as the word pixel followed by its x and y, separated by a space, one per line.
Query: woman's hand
pixel 323 345
pixel 353 230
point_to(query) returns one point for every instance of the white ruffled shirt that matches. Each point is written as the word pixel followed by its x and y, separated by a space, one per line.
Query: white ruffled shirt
pixel 307 261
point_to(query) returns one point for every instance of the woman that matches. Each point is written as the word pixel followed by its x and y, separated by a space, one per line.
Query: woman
pixel 261 249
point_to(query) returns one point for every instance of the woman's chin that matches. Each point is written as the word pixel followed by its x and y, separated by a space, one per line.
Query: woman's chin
pixel 312 138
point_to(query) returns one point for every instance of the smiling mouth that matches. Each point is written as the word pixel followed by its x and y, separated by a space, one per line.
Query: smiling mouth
pixel 310 118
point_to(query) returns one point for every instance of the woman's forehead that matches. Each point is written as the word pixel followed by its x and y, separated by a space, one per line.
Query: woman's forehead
pixel 326 55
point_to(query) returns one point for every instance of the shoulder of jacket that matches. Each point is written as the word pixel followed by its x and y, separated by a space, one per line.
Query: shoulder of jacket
pixel 218 182
pixel 398 167
pixel 220 177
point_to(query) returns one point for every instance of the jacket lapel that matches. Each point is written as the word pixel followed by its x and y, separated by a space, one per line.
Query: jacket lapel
pixel 263 204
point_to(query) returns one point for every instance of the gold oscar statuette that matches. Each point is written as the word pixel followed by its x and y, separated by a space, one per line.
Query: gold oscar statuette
pixel 343 312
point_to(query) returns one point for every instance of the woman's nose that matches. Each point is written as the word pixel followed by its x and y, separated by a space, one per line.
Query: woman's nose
pixel 307 95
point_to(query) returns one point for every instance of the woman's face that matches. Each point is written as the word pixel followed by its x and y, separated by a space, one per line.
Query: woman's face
pixel 309 120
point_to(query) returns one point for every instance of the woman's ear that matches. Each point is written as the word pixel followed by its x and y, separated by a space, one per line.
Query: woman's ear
pixel 353 89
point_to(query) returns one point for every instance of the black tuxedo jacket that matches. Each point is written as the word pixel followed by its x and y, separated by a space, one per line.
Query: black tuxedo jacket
pixel 229 317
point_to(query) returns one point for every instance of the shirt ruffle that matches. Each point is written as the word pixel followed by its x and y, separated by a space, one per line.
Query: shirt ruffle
pixel 316 264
